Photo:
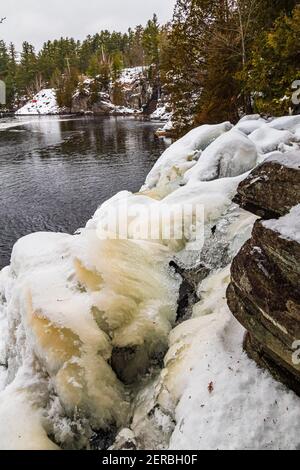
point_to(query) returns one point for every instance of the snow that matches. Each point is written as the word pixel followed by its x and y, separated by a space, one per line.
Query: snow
pixel 68 301
pixel 130 75
pixel 231 154
pixel 251 117
pixel 286 123
pixel 182 155
pixel 288 226
pixel 250 125
pixel 42 103
pixel 123 110
pixel 214 196
pixel 289 159
pixel 225 401
pixel 26 430
pixel 161 114
pixel 268 138
pixel 168 126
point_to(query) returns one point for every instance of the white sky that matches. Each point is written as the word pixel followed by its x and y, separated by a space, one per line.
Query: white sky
pixel 39 20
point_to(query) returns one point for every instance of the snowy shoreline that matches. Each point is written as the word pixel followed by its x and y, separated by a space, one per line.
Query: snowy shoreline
pixel 76 311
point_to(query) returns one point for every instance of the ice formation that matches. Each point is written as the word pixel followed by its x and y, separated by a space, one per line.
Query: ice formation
pixel 232 154
pixel 83 319
pixel 167 173
pixel 75 300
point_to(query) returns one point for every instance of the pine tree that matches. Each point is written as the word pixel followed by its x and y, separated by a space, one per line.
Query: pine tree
pixel 94 66
pixel 117 65
pixel 4 60
pixel 67 87
pixel 207 54
pixel 150 42
pixel 187 47
pixel 27 69
pixel 135 54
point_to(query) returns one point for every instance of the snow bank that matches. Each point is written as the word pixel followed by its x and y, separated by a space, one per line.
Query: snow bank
pixel 24 427
pixel 289 159
pixel 223 400
pixel 123 111
pixel 268 139
pixel 168 171
pixel 232 154
pixel 247 126
pixel 42 103
pixel 251 117
pixel 286 123
pixel 214 196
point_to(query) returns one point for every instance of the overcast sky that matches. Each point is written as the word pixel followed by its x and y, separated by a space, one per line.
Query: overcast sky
pixel 39 20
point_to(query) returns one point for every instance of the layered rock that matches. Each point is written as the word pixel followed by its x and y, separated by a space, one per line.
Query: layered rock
pixel 133 92
pixel 264 292
pixel 273 188
pixel 84 101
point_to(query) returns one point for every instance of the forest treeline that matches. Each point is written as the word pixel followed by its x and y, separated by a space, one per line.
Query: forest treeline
pixel 228 57
pixel 62 63
pixel 215 60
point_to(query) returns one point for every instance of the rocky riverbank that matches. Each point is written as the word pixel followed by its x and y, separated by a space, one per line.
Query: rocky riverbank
pixel 265 276
pixel 131 343
pixel 133 93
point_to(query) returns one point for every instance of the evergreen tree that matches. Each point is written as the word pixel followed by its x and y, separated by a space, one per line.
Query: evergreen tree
pixel 94 66
pixel 117 65
pixel 207 54
pixel 67 87
pixel 273 66
pixel 27 69
pixel 150 42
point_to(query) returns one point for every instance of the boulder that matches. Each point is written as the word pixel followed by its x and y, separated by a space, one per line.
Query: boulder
pixel 273 188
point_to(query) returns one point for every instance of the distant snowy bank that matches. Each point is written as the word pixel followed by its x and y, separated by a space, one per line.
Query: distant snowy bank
pixel 131 94
pixel 83 320
pixel 42 103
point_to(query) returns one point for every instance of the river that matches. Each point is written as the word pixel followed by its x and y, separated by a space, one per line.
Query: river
pixel 56 171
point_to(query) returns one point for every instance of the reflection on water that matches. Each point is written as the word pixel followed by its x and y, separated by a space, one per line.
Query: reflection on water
pixel 55 172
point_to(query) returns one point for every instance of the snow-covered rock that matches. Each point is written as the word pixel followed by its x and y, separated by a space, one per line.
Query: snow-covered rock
pixel 247 126
pixel 162 113
pixel 129 94
pixel 42 103
pixel 268 139
pixel 286 123
pixel 232 154
pixel 288 226
pixel 264 290
pixel 131 75
pixel 181 156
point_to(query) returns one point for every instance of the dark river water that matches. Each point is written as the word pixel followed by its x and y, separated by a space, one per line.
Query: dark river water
pixel 55 172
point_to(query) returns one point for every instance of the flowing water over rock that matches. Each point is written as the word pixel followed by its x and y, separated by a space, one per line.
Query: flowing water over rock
pixel 56 171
